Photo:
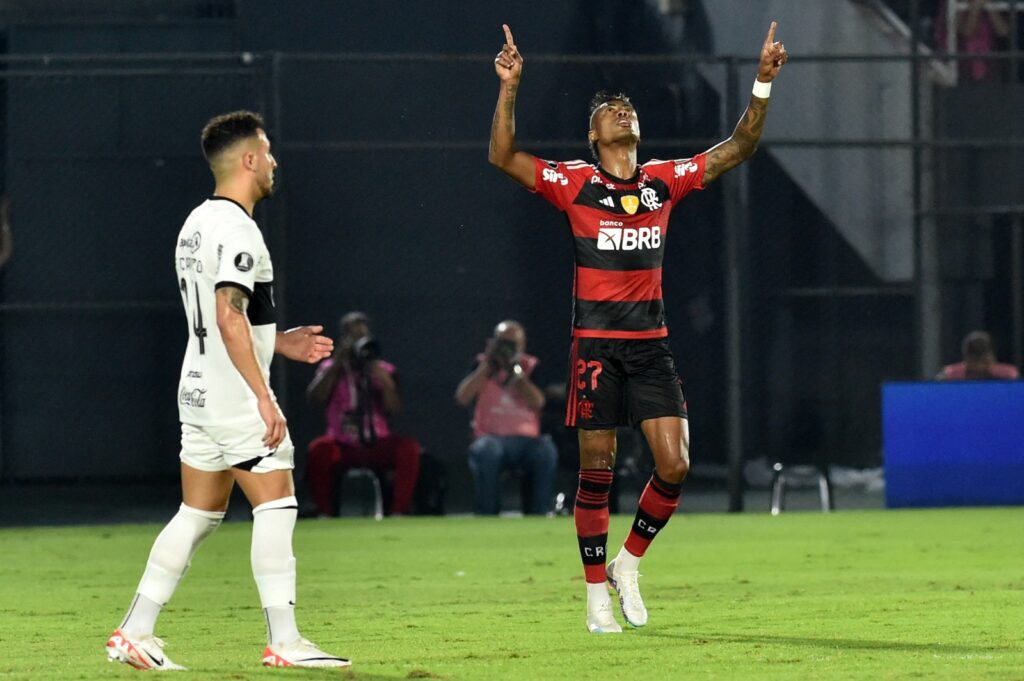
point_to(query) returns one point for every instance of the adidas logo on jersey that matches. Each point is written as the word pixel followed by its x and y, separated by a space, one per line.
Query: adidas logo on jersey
pixel 607 201
pixel 628 238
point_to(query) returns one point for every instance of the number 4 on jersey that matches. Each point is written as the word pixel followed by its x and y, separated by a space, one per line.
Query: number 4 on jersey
pixel 197 318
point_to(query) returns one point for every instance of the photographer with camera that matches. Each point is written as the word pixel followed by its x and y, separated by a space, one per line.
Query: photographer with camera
pixel 506 423
pixel 360 392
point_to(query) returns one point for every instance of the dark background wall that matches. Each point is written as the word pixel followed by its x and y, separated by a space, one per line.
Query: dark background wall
pixel 415 228
pixel 380 114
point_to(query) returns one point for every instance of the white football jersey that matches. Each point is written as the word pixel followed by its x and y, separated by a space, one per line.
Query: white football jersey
pixel 220 245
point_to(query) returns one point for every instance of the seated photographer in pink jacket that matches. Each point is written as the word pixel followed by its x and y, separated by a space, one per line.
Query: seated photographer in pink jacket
pixel 360 393
pixel 506 423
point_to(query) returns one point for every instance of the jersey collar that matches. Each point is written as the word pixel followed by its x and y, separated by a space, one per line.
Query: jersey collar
pixel 224 198
pixel 619 180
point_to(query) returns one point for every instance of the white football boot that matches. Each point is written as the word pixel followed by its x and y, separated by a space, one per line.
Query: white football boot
pixel 142 653
pixel 301 653
pixel 600 613
pixel 625 583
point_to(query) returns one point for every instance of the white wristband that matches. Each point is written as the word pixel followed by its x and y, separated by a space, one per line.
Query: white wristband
pixel 762 90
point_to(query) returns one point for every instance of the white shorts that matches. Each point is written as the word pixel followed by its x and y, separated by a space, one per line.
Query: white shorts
pixel 219 448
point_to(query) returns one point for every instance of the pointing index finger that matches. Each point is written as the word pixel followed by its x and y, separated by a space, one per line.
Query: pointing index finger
pixel 771 34
pixel 508 36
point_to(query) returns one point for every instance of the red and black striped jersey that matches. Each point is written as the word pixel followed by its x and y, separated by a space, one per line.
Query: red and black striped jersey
pixel 619 228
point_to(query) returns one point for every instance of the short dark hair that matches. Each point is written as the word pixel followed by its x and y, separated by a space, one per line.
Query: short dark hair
pixel 977 345
pixel 224 130
pixel 600 98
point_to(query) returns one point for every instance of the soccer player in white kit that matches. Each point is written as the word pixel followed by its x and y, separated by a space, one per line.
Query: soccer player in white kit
pixel 232 429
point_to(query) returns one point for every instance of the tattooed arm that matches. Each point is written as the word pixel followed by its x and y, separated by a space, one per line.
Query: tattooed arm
pixel 503 152
pixel 742 144
pixel 236 332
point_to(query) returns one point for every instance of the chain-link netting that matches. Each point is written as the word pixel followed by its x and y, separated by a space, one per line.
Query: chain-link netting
pixel 387 204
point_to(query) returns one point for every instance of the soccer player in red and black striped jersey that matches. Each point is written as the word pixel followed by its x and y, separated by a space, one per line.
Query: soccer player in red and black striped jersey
pixel 621 368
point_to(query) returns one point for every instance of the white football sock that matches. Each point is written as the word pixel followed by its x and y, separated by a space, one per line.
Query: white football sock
pixel 168 561
pixel 281 627
pixel 141 617
pixel 626 561
pixel 273 566
pixel 596 592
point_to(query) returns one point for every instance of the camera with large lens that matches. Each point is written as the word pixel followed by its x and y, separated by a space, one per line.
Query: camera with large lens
pixel 505 355
pixel 504 352
pixel 365 350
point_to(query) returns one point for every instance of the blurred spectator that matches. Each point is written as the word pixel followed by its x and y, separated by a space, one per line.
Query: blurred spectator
pixel 979 362
pixel 979 30
pixel 360 392
pixel 6 238
pixel 506 423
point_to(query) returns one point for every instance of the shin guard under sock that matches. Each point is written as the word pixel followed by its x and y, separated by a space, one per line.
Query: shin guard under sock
pixel 657 504
pixel 591 515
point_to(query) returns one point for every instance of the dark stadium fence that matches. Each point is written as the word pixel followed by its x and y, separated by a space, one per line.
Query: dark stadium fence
pixel 381 156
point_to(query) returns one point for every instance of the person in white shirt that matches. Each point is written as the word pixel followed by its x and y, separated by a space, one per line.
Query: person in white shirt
pixel 232 430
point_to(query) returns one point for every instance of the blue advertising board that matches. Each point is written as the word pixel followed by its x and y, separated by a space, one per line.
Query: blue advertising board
pixel 953 443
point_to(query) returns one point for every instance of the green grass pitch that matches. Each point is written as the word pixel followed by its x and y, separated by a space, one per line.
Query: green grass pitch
pixel 861 595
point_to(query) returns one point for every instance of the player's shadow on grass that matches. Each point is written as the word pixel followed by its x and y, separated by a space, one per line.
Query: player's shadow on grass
pixel 352 675
pixel 831 643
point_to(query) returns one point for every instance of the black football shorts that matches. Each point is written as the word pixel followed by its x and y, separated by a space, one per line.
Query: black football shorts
pixel 616 382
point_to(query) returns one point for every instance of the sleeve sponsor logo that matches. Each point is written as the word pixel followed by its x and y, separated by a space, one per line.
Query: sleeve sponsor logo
pixel 244 262
pixel 192 243
pixel 555 177
pixel 682 169
pixel 628 238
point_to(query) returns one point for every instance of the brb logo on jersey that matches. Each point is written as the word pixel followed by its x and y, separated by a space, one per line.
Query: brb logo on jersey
pixel 619 238
pixel 555 177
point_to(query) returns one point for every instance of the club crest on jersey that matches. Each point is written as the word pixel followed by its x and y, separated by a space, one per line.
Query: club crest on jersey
pixel 244 262
pixel 649 197
pixel 630 203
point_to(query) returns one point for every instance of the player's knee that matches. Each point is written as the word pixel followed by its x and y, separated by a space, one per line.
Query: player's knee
pixel 597 455
pixel 675 469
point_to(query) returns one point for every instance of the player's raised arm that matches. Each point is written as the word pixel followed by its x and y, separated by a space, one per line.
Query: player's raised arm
pixel 743 142
pixel 503 153
pixel 237 335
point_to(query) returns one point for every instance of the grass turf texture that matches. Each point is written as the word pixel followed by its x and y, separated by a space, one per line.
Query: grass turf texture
pixel 874 594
